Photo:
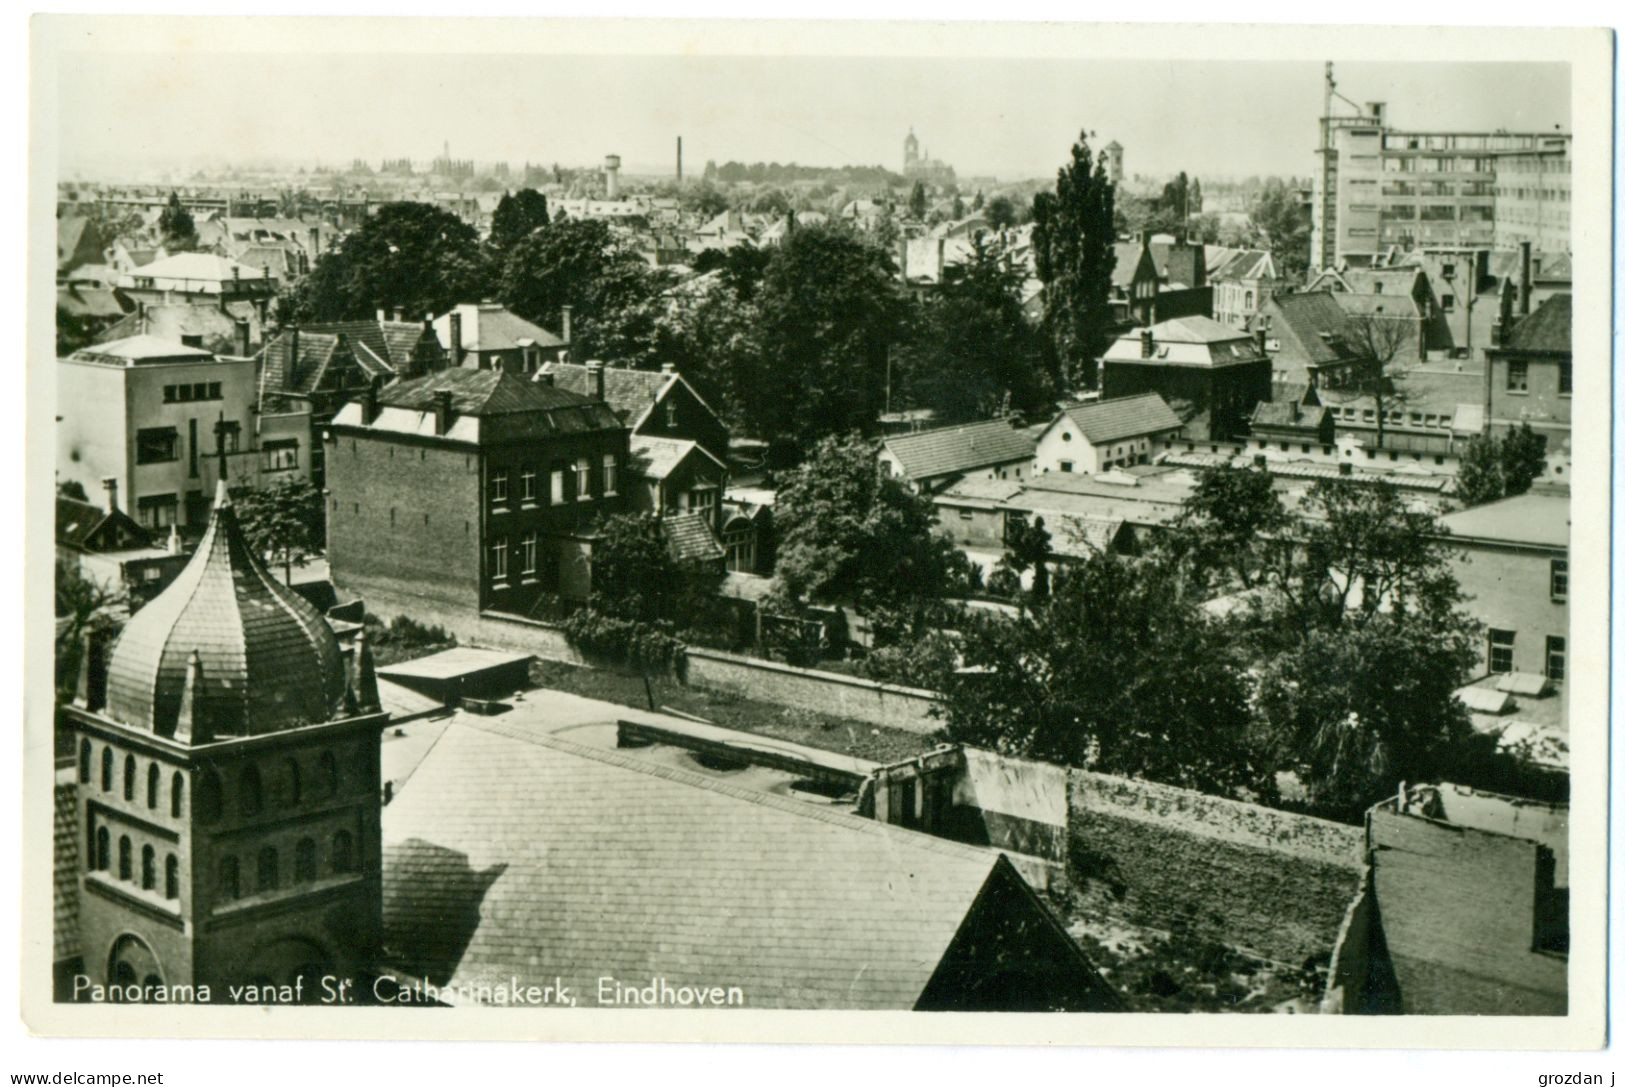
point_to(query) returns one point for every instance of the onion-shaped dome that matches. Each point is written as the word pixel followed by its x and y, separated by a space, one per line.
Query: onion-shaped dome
pixel 224 651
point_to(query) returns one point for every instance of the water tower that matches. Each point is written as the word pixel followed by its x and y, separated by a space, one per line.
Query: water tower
pixel 612 176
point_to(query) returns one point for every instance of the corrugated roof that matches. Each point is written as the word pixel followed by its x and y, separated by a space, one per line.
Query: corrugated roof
pixel 627 869
pixel 1122 417
pixel 946 450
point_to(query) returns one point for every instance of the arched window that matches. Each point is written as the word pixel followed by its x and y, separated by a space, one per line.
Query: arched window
pixel 291 787
pixel 101 849
pixel 153 777
pixel 231 879
pixel 267 873
pixel 125 860
pixel 90 845
pixel 129 777
pixel 149 868
pixel 343 852
pixel 304 861
pixel 84 762
pixel 177 794
pixel 172 876
pixel 330 773
pixel 250 796
pixel 209 796
pixel 107 769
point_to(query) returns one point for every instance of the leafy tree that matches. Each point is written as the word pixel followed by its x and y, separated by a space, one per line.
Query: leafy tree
pixel 579 263
pixel 1281 223
pixel 916 201
pixel 1176 202
pixel 176 229
pixel 1225 528
pixel 829 311
pixel 636 577
pixel 1523 458
pixel 517 214
pixel 1480 478
pixel 977 201
pixel 1361 646
pixel 849 535
pixel 1027 547
pixel 1494 468
pixel 975 352
pixel 415 256
pixel 72 488
pixel 82 603
pixel 1073 239
pixel 1116 672
pixel 705 201
pixel 284 520
pixel 1000 212
pixel 1356 711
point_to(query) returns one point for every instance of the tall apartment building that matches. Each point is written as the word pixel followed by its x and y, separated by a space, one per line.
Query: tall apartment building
pixel 1379 187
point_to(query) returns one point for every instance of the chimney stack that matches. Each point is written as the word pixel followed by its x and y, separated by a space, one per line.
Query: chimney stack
pixel 454 350
pixel 400 314
pixel 1145 239
pixel 383 315
pixel 1503 321
pixel 242 330
pixel 942 260
pixel 140 318
pixel 668 367
pixel 442 411
pixel 173 545
pixel 1261 336
pixel 110 485
pixel 1525 276
pixel 293 353
pixel 564 318
pixel 1147 343
pixel 369 401
pixel 595 378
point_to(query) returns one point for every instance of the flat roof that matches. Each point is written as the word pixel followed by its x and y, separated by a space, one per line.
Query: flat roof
pixel 462 660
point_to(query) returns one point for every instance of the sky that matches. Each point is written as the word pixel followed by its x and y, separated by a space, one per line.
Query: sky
pixel 1006 118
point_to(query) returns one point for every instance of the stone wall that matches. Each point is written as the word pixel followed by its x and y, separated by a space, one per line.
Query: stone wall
pixel 1266 881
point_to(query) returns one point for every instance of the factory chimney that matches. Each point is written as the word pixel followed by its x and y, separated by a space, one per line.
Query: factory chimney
pixel 679 160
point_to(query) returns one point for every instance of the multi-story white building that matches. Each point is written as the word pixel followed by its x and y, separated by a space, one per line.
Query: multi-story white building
pixel 152 415
pixel 1378 188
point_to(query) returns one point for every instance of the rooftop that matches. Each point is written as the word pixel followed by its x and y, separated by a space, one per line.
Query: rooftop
pixel 1546 330
pixel 928 454
pixel 1122 417
pixel 1541 519
pixel 141 349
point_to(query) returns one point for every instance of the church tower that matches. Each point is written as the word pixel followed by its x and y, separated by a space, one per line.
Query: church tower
pixel 911 151
pixel 228 808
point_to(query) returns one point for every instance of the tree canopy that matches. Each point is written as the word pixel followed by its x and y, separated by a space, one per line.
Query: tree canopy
pixel 410 255
pixel 578 263
pixel 1073 236
pixel 176 228
pixel 516 215
pixel 283 520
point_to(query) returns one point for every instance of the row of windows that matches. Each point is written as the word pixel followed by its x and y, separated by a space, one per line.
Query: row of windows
pixel 290 787
pixel 177 781
pixel 199 390
pixel 268 866
pixel 100 851
pixel 564 484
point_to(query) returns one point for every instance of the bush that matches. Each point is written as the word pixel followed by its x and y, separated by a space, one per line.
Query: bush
pixel 648 647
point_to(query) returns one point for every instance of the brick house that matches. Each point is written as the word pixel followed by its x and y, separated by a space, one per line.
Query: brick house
pixel 1530 372
pixel 1212 376
pixel 471 489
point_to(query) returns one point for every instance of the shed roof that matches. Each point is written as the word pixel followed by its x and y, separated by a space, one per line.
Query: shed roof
pixel 689 538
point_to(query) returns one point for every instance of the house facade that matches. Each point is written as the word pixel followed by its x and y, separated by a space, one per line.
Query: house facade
pixel 155 416
pixel 1211 375
pixel 471 489
pixel 930 460
pixel 1104 434
pixel 1530 373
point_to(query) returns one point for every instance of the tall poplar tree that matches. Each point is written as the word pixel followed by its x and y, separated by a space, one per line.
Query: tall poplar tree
pixel 1072 241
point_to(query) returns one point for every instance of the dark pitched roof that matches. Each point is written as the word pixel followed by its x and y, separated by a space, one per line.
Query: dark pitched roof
pixel 485 393
pixel 1122 417
pixel 80 300
pixel 689 538
pixel 632 393
pixel 1548 329
pixel 86 527
pixel 495 328
pixel 627 869
pixel 940 452
pixel 1307 316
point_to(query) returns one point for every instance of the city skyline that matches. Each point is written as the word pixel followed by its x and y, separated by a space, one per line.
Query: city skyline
pixel 1004 118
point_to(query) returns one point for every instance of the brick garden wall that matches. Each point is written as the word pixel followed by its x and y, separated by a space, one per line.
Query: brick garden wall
pixel 1268 881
